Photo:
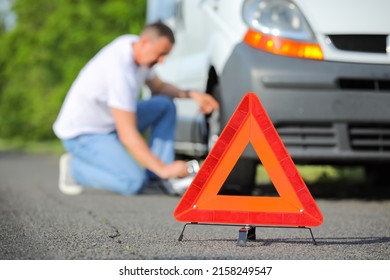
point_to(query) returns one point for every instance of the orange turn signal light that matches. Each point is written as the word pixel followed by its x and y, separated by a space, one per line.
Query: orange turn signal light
pixel 281 46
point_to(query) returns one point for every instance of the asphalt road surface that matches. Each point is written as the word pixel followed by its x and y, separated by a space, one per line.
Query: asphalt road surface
pixel 38 222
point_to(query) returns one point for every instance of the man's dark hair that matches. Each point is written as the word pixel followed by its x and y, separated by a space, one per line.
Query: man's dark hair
pixel 160 30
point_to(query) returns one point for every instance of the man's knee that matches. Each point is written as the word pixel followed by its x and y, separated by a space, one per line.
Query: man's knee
pixel 167 103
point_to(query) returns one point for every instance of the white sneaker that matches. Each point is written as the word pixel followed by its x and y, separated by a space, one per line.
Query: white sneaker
pixel 66 183
pixel 178 186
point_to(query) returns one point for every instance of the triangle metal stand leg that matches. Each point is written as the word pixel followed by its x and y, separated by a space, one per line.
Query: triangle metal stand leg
pixel 182 232
pixel 247 232
pixel 244 234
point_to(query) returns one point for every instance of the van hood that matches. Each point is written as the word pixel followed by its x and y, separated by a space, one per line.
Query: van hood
pixel 347 16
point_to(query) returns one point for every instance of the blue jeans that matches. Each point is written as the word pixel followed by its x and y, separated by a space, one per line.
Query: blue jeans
pixel 101 161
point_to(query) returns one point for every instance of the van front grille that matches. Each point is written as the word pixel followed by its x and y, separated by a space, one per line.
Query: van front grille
pixel 307 136
pixel 360 43
pixel 366 137
pixel 364 84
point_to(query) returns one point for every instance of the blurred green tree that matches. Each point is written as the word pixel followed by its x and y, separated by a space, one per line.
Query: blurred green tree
pixel 41 56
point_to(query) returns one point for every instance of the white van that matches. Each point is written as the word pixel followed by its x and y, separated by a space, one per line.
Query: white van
pixel 321 68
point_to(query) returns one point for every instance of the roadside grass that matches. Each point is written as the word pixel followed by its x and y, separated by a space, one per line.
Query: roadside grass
pixel 324 181
pixel 319 173
pixel 33 147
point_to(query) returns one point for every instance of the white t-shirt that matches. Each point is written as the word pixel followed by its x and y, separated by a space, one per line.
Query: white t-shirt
pixel 111 79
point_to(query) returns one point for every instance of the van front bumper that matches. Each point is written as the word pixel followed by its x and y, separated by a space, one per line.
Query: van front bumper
pixel 325 112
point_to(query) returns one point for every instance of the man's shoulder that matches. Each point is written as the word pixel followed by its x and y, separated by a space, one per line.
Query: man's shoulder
pixel 126 38
pixel 117 51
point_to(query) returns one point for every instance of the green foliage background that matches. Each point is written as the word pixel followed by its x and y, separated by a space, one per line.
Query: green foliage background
pixel 41 56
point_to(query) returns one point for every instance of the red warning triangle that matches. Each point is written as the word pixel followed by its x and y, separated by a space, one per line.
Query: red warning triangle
pixel 249 124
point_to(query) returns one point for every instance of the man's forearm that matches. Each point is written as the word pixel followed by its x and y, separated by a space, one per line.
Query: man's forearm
pixel 173 91
pixel 138 148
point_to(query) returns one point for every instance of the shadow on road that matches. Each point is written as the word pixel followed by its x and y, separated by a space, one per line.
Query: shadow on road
pixel 320 241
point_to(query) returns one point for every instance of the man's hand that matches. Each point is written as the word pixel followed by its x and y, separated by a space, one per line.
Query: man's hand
pixel 176 169
pixel 206 102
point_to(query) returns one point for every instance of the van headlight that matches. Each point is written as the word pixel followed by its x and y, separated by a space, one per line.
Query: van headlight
pixel 278 18
pixel 279 27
